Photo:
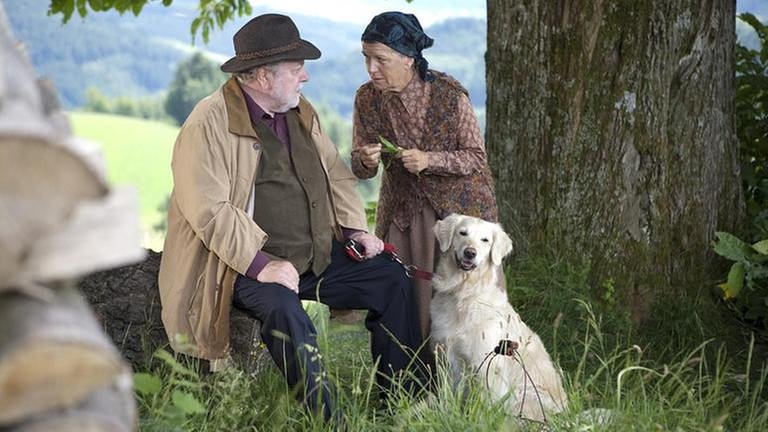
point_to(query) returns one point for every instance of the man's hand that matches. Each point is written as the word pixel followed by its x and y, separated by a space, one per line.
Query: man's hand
pixel 372 244
pixel 370 155
pixel 414 160
pixel 281 272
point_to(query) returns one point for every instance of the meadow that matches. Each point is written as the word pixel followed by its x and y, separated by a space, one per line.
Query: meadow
pixel 700 373
pixel 137 152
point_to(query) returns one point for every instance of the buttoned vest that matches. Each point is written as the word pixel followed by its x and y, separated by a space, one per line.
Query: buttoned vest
pixel 291 196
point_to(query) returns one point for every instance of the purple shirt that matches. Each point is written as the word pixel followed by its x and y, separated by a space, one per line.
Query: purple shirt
pixel 279 126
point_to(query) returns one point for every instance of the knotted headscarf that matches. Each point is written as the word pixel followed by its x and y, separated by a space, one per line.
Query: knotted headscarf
pixel 403 33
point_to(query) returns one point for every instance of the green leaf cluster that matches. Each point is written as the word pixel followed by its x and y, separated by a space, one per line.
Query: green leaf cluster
pixel 746 287
pixel 388 147
pixel 172 396
pixel 68 7
pixel 213 13
pixel 752 125
pixel 389 151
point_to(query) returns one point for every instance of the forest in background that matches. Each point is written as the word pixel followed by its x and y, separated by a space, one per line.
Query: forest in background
pixel 126 56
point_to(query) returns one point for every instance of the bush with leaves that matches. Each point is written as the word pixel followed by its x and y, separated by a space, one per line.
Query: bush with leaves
pixel 150 108
pixel 752 126
pixel 746 289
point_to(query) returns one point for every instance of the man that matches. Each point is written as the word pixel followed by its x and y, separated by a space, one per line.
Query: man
pixel 260 205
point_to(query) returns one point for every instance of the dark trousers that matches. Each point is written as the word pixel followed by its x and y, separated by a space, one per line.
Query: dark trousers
pixel 378 285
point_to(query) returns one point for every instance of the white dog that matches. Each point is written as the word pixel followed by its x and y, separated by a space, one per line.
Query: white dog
pixel 471 315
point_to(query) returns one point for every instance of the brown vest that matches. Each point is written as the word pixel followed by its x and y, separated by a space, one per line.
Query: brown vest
pixel 292 203
pixel 401 192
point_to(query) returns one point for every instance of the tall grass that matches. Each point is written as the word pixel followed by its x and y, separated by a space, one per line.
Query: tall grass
pixel 614 381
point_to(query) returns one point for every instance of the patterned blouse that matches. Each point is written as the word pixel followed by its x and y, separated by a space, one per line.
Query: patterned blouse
pixel 435 117
pixel 407 112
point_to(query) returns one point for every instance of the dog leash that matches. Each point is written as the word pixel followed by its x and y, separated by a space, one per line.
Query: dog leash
pixel 410 270
pixel 508 348
pixel 356 251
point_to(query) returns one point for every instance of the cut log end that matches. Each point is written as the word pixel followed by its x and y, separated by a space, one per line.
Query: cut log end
pixel 41 376
pixel 108 409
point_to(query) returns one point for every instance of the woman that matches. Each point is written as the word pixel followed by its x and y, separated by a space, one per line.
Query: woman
pixel 440 167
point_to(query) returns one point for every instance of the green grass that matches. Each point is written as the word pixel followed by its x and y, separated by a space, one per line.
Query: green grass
pixel 138 153
pixel 616 378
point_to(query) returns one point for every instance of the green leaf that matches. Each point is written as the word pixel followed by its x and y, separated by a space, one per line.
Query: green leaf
pixel 388 147
pixel 137 7
pixel 147 384
pixel 752 20
pixel 81 8
pixel 730 247
pixel 187 403
pixel 732 287
pixel 761 246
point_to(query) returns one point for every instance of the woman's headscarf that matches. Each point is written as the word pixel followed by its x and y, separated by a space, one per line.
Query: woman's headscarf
pixel 403 33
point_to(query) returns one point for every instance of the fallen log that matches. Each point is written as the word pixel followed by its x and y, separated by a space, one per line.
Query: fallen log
pixel 58 221
pixel 53 353
pixel 126 301
pixel 109 409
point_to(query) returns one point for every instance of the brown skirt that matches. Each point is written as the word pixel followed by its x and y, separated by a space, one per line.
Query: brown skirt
pixel 416 246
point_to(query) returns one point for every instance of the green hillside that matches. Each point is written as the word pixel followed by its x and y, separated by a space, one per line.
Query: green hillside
pixel 128 56
pixel 138 153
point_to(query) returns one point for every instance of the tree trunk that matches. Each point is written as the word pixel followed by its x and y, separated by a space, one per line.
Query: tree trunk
pixel 611 134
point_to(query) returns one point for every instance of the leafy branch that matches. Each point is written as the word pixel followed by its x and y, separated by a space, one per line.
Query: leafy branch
pixel 212 13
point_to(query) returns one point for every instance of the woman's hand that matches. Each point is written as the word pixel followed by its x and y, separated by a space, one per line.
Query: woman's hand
pixel 370 155
pixel 414 160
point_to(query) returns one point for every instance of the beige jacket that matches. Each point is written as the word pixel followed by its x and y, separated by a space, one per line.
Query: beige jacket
pixel 211 233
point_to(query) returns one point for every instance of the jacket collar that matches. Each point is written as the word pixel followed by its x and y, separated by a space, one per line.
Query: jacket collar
pixel 237 110
pixel 306 114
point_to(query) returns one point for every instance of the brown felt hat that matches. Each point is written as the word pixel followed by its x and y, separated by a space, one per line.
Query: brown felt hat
pixel 268 38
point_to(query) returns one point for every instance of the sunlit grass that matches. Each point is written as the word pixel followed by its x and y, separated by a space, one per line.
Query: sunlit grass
pixel 138 153
pixel 614 384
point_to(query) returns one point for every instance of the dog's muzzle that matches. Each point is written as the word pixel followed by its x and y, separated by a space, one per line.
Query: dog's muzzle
pixel 466 261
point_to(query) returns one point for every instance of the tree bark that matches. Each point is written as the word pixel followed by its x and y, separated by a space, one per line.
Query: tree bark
pixel 611 133
pixel 127 302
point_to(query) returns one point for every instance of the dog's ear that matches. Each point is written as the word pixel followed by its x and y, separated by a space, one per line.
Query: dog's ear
pixel 444 231
pixel 502 245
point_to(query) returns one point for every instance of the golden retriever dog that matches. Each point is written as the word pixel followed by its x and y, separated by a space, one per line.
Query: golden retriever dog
pixel 471 315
